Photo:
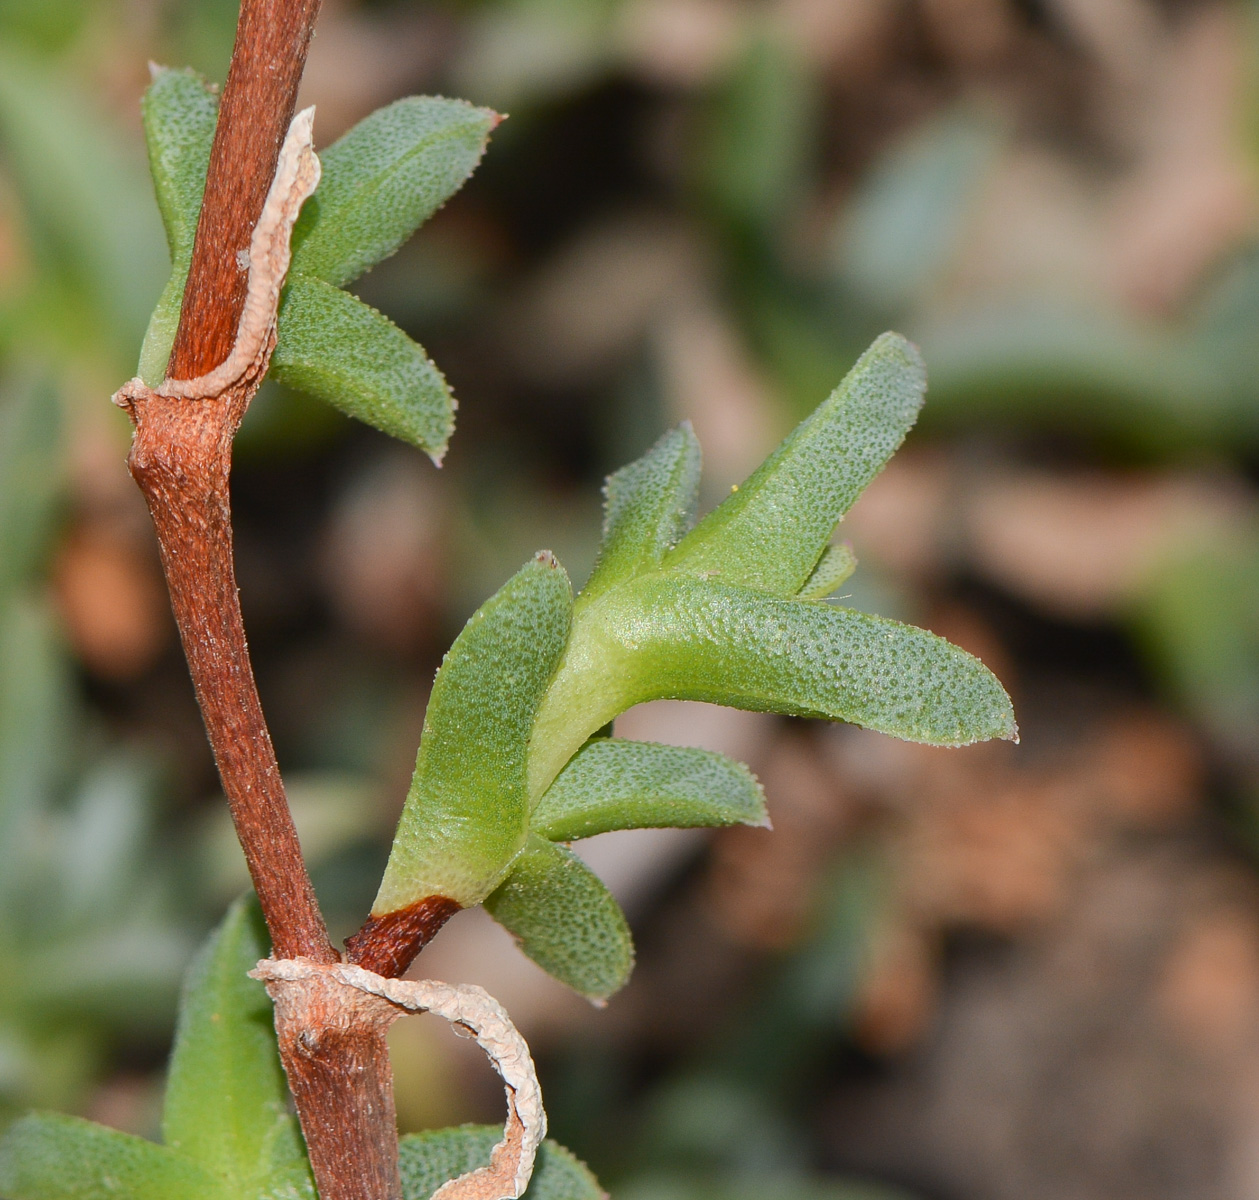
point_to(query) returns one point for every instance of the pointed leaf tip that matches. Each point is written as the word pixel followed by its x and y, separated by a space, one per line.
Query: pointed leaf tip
pixel 649 505
pixel 333 346
pixel 769 533
pixel 226 1098
pixel 385 178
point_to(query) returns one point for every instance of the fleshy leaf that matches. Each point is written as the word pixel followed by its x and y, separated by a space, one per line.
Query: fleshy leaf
pixel 159 337
pixel 833 568
pixel 428 1160
pixel 467 813
pixel 225 1095
pixel 385 178
pixel 769 533
pixel 338 349
pixel 564 919
pixel 614 784
pixel 180 111
pixel 649 505
pixel 47 1156
pixel 672 636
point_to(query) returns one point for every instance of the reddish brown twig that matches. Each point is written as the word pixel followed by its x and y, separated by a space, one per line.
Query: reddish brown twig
pixel 338 1067
pixel 180 457
pixel 272 37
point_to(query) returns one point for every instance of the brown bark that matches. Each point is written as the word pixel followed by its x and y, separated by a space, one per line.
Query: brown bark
pixel 336 1061
pixel 180 457
pixel 272 37
pixel 387 944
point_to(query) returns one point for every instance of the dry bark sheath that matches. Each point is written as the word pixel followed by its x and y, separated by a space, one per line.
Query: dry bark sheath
pixel 315 995
pixel 332 1040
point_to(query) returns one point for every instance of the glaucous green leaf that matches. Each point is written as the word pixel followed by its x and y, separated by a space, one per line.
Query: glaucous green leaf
pixel 427 1160
pixel 467 813
pixel 226 1100
pixel 338 349
pixel 672 636
pixel 180 111
pixel 384 179
pixel 564 919
pixel 769 533
pixel 47 1156
pixel 833 568
pixel 615 784
pixel 159 337
pixel 649 505
pixel 1197 615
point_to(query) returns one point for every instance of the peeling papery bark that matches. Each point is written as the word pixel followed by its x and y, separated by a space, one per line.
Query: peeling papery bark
pixel 296 178
pixel 306 992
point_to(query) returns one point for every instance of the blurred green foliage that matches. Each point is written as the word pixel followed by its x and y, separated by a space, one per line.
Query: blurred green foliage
pixel 806 253
pixel 87 931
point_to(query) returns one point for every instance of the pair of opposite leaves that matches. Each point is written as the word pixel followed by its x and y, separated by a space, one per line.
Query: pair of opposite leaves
pixel 515 757
pixel 513 760
pixel 379 183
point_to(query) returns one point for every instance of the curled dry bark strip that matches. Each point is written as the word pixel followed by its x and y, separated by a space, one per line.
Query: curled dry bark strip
pixel 296 177
pixel 181 458
pixel 302 988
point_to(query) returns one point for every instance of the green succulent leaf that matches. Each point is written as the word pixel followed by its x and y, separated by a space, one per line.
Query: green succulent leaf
pixel 428 1160
pixel 833 569
pixel 226 1100
pixel 649 505
pixel 564 919
pixel 379 182
pixel 467 813
pixel 180 111
pixel 614 784
pixel 338 349
pixel 384 179
pixel 673 636
pixel 769 533
pixel 47 1156
pixel 159 337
